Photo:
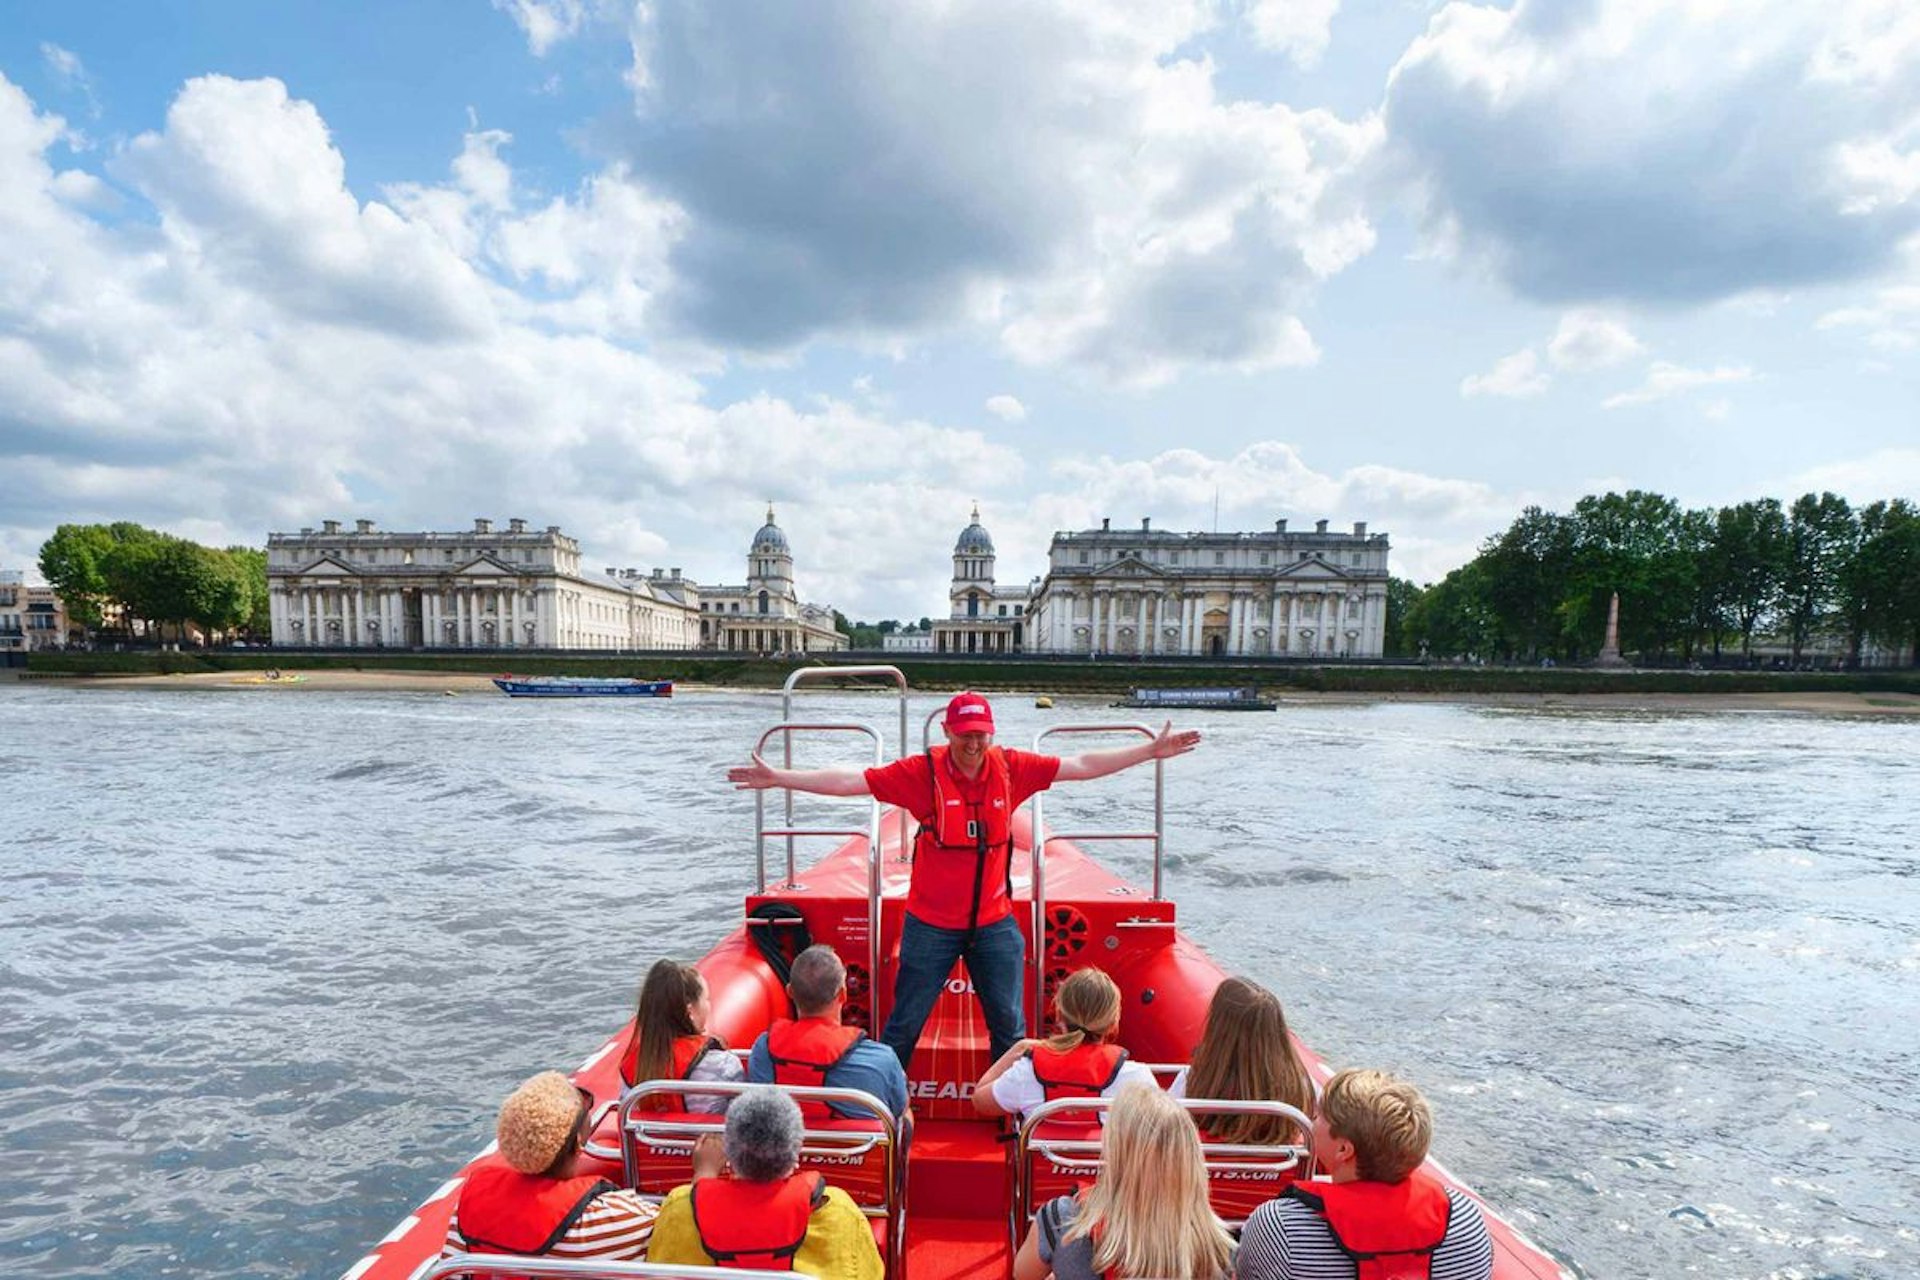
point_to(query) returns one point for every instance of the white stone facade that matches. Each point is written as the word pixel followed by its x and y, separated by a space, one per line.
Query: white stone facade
pixel 513 588
pixel 981 617
pixel 1267 594
pixel 766 615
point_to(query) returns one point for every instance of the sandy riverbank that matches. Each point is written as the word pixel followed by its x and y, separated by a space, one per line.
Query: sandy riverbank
pixel 1835 703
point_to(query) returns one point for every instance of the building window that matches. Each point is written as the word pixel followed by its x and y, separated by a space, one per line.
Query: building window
pixel 1219 557
pixel 1174 558
pixel 1263 557
pixel 1003 611
pixel 1019 609
pixel 1083 557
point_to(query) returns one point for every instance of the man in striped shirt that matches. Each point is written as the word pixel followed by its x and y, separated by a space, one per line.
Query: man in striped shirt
pixel 528 1198
pixel 1378 1215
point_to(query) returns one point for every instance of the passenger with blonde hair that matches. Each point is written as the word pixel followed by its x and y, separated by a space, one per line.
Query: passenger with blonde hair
pixel 1146 1215
pixel 1376 1215
pixel 1082 1061
pixel 1246 1055
pixel 669 1040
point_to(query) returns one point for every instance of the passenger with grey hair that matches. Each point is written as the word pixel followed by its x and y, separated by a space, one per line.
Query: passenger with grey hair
pixel 768 1215
pixel 818 1049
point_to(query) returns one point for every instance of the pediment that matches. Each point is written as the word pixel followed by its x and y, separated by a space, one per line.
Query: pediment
pixel 486 567
pixel 327 564
pixel 1312 571
pixel 1129 567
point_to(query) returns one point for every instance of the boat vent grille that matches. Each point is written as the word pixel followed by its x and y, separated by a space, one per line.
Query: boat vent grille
pixel 1067 932
pixel 857 1011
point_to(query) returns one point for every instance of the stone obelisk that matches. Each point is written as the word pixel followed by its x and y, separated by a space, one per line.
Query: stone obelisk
pixel 1610 651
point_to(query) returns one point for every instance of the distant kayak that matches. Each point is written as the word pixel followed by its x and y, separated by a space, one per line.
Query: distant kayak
pixel 582 687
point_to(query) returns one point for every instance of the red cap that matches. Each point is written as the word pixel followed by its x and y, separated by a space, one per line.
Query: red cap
pixel 969 713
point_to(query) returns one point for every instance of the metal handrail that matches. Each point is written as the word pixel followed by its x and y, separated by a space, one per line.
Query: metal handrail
pixel 679 1134
pixel 1219 1157
pixel 1037 843
pixel 473 1266
pixel 881 993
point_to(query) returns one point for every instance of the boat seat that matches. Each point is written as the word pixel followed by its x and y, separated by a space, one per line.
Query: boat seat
pixel 864 1156
pixel 1056 1151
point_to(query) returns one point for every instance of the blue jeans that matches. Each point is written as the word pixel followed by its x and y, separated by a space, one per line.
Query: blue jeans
pixel 994 964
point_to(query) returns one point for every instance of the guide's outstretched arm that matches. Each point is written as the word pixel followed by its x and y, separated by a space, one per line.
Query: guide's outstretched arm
pixel 1098 764
pixel 760 775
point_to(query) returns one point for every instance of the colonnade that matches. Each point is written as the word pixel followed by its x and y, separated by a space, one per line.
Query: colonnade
pixel 500 616
pixel 1321 621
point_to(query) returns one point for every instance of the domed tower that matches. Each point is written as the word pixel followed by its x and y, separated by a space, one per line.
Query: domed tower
pixel 972 590
pixel 770 571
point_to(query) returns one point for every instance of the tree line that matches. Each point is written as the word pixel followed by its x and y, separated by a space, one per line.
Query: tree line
pixel 1692 583
pixel 128 574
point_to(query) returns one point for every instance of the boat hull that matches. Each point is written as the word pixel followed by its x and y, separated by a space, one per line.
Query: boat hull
pixel 959 1185
pixel 532 687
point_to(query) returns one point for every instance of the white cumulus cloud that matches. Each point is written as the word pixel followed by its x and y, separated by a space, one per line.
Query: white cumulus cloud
pixel 1068 177
pixel 1666 379
pixel 1513 377
pixel 1664 151
pixel 1006 408
pixel 1298 28
pixel 1588 340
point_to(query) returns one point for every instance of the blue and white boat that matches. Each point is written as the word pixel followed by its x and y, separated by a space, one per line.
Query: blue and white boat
pixel 582 687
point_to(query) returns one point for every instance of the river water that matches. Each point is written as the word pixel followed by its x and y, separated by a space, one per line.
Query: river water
pixel 269 958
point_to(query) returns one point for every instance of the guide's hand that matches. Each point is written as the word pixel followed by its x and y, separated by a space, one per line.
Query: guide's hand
pixel 757 776
pixel 1167 743
pixel 709 1156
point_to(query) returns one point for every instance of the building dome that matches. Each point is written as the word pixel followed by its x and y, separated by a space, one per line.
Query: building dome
pixel 973 539
pixel 770 538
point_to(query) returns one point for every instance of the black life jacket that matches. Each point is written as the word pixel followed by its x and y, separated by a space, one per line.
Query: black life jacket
pixel 1389 1229
pixel 804 1052
pixel 749 1226
pixel 502 1210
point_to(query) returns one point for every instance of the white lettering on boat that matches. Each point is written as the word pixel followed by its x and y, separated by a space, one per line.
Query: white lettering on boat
pixel 937 1089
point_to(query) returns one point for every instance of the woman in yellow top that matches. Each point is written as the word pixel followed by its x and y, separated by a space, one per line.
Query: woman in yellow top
pixel 768 1214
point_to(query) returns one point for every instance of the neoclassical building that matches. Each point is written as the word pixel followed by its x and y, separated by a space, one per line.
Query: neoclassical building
pixel 981 617
pixel 766 615
pixel 1278 593
pixel 486 588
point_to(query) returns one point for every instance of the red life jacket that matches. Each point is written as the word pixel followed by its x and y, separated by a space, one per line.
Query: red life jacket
pixel 750 1226
pixel 963 855
pixel 687 1051
pixel 502 1210
pixel 1084 1071
pixel 804 1051
pixel 1389 1229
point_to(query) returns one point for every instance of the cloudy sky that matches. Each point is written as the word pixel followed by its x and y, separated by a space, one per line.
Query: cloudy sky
pixel 638 270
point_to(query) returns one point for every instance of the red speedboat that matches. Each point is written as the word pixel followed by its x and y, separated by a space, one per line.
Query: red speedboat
pixel 949 1197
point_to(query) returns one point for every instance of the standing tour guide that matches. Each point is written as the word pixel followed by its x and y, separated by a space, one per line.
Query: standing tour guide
pixel 960 901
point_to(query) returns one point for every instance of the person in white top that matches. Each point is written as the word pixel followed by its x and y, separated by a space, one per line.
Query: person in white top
pixel 1082 1061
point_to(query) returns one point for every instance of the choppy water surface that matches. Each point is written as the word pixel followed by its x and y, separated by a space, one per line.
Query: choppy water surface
pixel 269 958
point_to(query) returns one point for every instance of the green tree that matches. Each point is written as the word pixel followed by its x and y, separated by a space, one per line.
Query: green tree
pixel 1880 580
pixel 252 564
pixel 1454 618
pixel 73 561
pixel 1631 543
pixel 1747 562
pixel 1820 531
pixel 1527 570
pixel 1403 598
pixel 1708 619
